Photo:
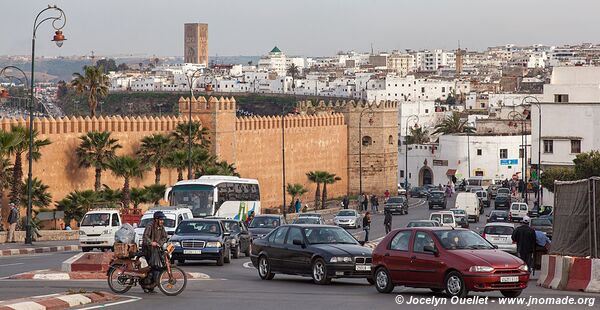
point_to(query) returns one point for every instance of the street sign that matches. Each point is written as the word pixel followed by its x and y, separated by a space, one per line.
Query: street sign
pixel 509 162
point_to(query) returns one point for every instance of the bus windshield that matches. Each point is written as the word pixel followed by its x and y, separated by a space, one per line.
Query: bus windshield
pixel 198 198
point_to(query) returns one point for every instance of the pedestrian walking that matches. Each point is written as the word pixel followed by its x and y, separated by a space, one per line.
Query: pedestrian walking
pixel 345 202
pixel 387 221
pixel 365 202
pixel 367 225
pixel 298 205
pixel 13 217
pixel 525 238
pixel 386 195
pixel 374 204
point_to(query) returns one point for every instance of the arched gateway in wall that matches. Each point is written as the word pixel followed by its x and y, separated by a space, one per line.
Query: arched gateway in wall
pixel 425 176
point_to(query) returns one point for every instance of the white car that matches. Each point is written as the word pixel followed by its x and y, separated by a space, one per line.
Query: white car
pixel 500 235
pixel 401 190
pixel 97 229
pixel 445 218
pixel 174 216
pixel 347 218
pixel 518 210
pixel 470 203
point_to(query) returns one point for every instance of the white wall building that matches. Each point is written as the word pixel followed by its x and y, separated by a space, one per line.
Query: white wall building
pixel 275 61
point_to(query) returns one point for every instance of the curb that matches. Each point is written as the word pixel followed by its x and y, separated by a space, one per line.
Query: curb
pixel 33 251
pixel 46 275
pixel 56 301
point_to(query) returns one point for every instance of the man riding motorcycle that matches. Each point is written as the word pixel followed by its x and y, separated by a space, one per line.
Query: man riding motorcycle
pixel 155 236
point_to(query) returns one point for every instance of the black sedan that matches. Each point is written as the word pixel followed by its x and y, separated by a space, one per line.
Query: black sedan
pixel 397 204
pixel 419 192
pixel 322 252
pixel 261 225
pixel 437 199
pixel 502 201
pixel 241 239
pixel 498 216
pixel 201 239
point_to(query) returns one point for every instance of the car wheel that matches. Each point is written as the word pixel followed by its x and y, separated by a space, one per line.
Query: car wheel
pixel 264 268
pixel 383 281
pixel 319 272
pixel 227 258
pixel 455 285
pixel 511 294
pixel 237 250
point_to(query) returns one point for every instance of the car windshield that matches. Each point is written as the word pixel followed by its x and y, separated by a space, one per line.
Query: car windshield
pixel 170 223
pixel 198 228
pixel 462 240
pixel 232 226
pixel 198 198
pixel 309 215
pixel 448 219
pixel 265 222
pixel 503 191
pixel 436 217
pixel 96 219
pixel 396 200
pixel 307 220
pixel 346 213
pixel 540 222
pixel 458 211
pixel 499 213
pixel 420 224
pixel 437 194
pixel 498 230
pixel 480 194
pixel 328 235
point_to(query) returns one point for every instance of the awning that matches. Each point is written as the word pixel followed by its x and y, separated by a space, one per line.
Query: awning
pixel 451 172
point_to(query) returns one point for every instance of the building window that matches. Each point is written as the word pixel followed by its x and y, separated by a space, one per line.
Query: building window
pixel 443 89
pixel 575 146
pixel 423 90
pixel 561 98
pixel 401 173
pixel 366 141
pixel 549 146
pixel 503 153
pixel 391 140
pixel 426 111
pixel 479 152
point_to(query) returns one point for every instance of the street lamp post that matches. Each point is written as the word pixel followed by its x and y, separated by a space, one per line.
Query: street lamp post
pixel 360 143
pixel 58 23
pixel 406 147
pixel 284 107
pixel 539 163
pixel 24 81
pixel 517 116
pixel 191 79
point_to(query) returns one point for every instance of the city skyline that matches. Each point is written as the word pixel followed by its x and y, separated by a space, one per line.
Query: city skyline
pixel 148 28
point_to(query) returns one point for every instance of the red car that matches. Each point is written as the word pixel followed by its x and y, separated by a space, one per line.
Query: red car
pixel 444 259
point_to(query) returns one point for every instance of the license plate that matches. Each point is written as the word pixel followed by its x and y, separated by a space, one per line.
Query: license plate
pixel 500 218
pixel 363 267
pixel 192 251
pixel 339 273
pixel 509 279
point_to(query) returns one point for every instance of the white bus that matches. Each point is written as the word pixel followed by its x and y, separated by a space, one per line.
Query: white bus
pixel 216 195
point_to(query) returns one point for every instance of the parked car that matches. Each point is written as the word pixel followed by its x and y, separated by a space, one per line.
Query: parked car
pixel 503 190
pixel 500 235
pixel 424 223
pixel 444 259
pixel 310 214
pixel 401 190
pixel 322 252
pixel 474 188
pixel 492 191
pixel 397 204
pixel 437 199
pixel 347 218
pixel 518 210
pixel 483 197
pixel 461 217
pixel 498 216
pixel 97 229
pixel 241 239
pixel 263 224
pixel 309 220
pixel 174 216
pixel 502 201
pixel 201 239
pixel 542 224
pixel 418 192
pixel 470 203
pixel 445 218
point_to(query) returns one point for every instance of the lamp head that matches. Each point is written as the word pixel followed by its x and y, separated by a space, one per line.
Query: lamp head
pixel 59 38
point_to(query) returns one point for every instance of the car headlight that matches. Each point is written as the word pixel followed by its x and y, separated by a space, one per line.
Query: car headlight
pixel 523 268
pixel 176 243
pixel 216 244
pixel 82 233
pixel 340 259
pixel 481 269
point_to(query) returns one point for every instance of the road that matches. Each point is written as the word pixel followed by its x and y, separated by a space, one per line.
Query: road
pixel 237 285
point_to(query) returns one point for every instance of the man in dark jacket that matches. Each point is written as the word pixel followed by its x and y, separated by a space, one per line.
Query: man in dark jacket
pixel 524 236
pixel 13 218
pixel 345 202
pixel 387 221
pixel 155 236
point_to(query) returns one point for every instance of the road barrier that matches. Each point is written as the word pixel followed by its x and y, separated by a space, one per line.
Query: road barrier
pixel 570 273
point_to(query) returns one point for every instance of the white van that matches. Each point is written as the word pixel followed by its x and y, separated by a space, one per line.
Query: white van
pixel 97 229
pixel 470 203
pixel 518 210
pixel 445 218
pixel 174 216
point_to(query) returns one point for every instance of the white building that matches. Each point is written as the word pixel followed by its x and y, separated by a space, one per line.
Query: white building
pixel 275 61
pixel 434 60
pixel 410 88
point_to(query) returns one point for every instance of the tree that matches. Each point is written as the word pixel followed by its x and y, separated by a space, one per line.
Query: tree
pixel 177 160
pixel 8 140
pixel 317 177
pixel 587 164
pixel 40 197
pixel 96 150
pixel 154 150
pixel 94 82
pixel 295 190
pixel 22 136
pixel 139 196
pixel 122 67
pixel 126 167
pixel 201 160
pixel 221 168
pixel 293 71
pixel 417 136
pixel 77 203
pixel 330 178
pixel 155 192
pixel 557 174
pixel 62 89
pixel 181 135
pixel 106 65
pixel 453 124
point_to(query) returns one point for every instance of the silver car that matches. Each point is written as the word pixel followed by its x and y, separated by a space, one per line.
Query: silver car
pixel 347 218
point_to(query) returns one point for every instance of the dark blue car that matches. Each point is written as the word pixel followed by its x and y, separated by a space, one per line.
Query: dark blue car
pixel 201 239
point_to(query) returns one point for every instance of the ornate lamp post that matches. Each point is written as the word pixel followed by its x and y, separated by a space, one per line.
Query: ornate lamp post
pixel 59 20
pixel 519 117
pixel 539 163
pixel 6 72
pixel 191 78
pixel 408 119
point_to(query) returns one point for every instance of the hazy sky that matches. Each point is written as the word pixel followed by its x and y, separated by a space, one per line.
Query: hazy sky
pixel 301 27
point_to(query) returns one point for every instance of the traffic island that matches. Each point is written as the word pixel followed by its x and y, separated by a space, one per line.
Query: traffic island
pixel 52 275
pixel 58 301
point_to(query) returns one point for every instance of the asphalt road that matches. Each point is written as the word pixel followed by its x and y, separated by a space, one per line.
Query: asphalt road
pixel 237 285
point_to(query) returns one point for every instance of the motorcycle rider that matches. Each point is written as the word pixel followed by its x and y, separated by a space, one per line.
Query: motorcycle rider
pixel 155 236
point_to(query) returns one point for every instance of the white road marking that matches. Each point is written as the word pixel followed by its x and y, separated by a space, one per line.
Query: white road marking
pixel 15 264
pixel 131 299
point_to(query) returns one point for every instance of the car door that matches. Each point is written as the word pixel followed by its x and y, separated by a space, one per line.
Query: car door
pixel 296 259
pixel 276 249
pixel 397 256
pixel 425 267
pixel 244 236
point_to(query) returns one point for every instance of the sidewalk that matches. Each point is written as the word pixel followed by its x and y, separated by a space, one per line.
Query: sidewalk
pixel 11 249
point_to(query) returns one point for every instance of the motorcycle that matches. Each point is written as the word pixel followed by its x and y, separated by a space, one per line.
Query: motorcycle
pixel 125 272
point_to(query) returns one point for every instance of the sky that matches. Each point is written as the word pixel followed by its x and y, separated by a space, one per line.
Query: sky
pixel 301 27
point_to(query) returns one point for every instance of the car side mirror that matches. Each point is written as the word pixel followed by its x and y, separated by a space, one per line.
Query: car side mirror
pixel 430 249
pixel 298 242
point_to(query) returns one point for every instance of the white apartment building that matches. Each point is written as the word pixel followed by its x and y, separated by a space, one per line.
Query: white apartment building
pixel 402 64
pixel 433 60
pixel 410 88
pixel 275 61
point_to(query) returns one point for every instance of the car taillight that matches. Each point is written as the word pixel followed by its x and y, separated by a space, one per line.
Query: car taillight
pixel 483 235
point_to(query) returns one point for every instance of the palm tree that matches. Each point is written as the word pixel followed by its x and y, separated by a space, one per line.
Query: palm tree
pixel 127 168
pixel 77 203
pixel 293 71
pixel 330 178
pixel 22 136
pixel 295 190
pixel 96 150
pixel 138 196
pixel 182 133
pixel 177 160
pixel 418 135
pixel 40 197
pixel 7 141
pixel 155 192
pixel 94 82
pixel 201 160
pixel 110 196
pixel 317 177
pixel 155 149
pixel 453 124
pixel 221 168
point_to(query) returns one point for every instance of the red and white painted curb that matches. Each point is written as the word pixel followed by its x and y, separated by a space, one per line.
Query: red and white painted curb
pixel 49 275
pixel 40 250
pixel 570 273
pixel 56 301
